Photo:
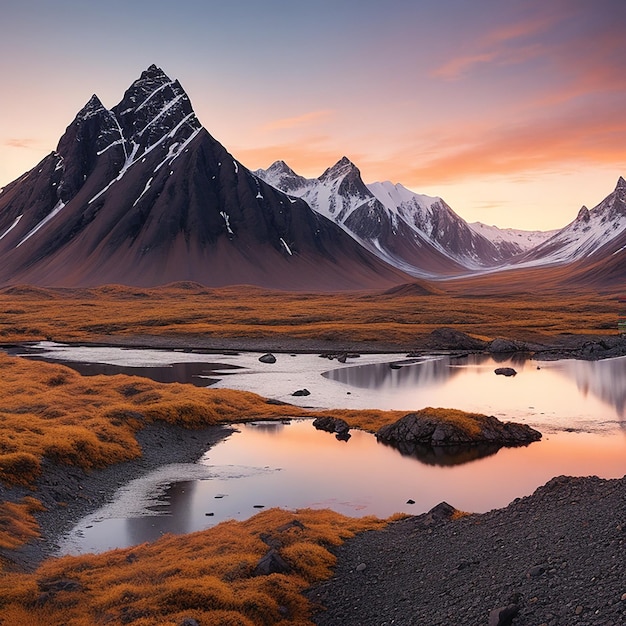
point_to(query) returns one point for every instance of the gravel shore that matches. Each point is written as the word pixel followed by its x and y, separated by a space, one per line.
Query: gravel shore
pixel 555 558
pixel 69 493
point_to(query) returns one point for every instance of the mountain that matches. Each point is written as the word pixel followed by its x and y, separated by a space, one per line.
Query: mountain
pixel 142 194
pixel 510 241
pixel 420 234
pixel 595 234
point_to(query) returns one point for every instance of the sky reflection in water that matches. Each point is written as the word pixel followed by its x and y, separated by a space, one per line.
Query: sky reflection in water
pixel 294 466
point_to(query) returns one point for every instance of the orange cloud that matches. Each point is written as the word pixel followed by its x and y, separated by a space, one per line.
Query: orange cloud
pixel 455 67
pixel 500 46
pixel 20 143
pixel 576 140
pixel 297 121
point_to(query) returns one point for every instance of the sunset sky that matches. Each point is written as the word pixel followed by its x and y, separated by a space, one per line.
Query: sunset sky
pixel 514 112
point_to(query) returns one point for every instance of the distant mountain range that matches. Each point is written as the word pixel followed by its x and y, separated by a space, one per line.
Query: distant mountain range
pixel 141 194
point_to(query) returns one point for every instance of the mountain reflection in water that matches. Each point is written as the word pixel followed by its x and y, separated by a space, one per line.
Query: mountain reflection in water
pixel 469 382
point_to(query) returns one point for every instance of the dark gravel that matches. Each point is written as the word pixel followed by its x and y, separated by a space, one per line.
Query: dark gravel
pixel 558 557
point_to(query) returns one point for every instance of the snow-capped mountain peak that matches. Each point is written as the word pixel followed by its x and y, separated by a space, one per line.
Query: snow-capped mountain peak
pixel 591 230
pixel 340 169
pixel 394 195
pixel 512 241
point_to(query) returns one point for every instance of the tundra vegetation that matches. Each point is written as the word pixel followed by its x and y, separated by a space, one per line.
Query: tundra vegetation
pixel 51 412
pixel 187 311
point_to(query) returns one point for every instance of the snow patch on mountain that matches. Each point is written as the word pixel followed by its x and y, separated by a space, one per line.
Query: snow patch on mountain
pixel 522 240
pixel 591 231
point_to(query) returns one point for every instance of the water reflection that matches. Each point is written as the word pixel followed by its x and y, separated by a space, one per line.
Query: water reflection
pixel 172 514
pixel 194 373
pixel 573 393
pixel 445 456
pixel 295 466
pixel 604 379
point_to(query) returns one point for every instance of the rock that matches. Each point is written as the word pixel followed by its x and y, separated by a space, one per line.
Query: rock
pixel 343 436
pixel 500 345
pixel 410 501
pixel 272 563
pixel 450 339
pixel 275 402
pixel 442 512
pixel 422 428
pixel 505 371
pixel 267 358
pixel 503 616
pixel 536 571
pixel 301 392
pixel 188 621
pixel 623 598
pixel 361 567
pixel 331 424
pixel 342 358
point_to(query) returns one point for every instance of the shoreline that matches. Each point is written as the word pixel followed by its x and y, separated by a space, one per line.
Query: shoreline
pixel 563 346
pixel 554 557
pixel 70 493
pixel 80 493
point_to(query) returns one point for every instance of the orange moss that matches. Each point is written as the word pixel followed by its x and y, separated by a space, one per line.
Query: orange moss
pixel 371 420
pixel 207 576
pixel 49 410
pixel 17 524
pixel 478 306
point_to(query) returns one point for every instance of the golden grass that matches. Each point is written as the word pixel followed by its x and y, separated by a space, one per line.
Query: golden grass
pixel 17 524
pixel 207 576
pixel 51 411
pixel 372 419
pixel 192 311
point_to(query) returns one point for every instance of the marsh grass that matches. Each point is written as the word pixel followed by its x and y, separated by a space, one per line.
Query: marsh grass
pixel 51 411
pixel 207 576
pixel 475 306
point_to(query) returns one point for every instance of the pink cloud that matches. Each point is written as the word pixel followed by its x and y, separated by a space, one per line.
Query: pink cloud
pixel 23 143
pixel 297 121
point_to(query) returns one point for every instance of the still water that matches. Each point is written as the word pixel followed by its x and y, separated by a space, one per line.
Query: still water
pixel 578 405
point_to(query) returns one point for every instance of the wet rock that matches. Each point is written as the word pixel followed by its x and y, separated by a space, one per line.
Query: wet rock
pixel 503 616
pixel 267 358
pixel 342 358
pixel 301 392
pixel 272 563
pixel 422 428
pixel 343 436
pixel 331 424
pixel 410 501
pixel 505 371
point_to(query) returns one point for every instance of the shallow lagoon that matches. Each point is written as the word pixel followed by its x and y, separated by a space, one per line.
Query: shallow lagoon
pixel 578 405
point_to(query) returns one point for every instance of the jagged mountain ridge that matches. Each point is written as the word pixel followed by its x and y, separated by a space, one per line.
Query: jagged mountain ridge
pixel 142 194
pixel 419 233
pixel 512 241
pixel 595 233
